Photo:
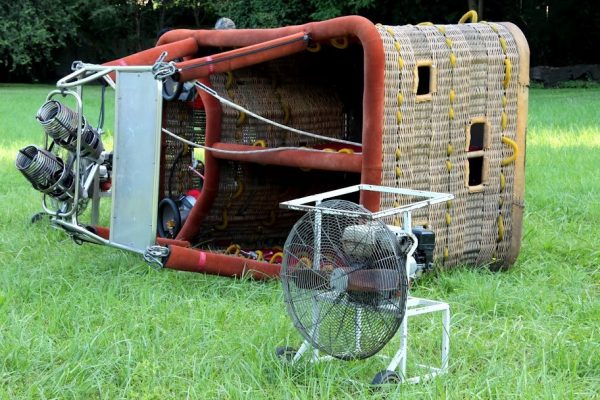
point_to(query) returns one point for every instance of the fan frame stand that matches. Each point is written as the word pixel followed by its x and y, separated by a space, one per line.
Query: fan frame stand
pixel 415 306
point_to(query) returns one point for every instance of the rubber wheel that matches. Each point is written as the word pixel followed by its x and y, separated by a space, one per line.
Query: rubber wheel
pixel 285 353
pixel 37 217
pixel 386 376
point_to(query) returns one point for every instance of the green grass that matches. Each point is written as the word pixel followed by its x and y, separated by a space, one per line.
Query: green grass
pixel 93 322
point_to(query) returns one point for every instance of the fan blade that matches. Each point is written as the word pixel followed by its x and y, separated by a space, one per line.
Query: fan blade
pixel 365 280
pixel 373 280
pixel 310 279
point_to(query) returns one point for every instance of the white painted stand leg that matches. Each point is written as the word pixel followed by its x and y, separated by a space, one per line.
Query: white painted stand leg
pixel 417 306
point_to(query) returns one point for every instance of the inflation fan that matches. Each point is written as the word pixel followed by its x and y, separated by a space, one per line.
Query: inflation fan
pixel 345 279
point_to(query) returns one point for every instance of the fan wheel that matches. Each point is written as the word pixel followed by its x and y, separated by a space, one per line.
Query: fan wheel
pixel 286 353
pixel 386 376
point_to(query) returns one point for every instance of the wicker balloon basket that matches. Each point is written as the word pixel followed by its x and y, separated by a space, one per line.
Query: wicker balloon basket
pixel 433 107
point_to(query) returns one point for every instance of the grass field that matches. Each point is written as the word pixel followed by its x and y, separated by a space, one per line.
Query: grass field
pixel 92 322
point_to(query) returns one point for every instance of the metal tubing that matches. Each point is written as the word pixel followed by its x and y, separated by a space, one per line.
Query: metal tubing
pixel 303 348
pixel 70 227
pixel 185 47
pixel 104 233
pixel 431 198
pixel 445 339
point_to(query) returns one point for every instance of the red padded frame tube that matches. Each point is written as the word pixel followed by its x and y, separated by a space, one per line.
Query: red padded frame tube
pixel 192 260
pixel 210 187
pixel 181 48
pixel 242 57
pixel 323 160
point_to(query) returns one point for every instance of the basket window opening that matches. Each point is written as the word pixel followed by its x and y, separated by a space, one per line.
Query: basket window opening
pixel 476 171
pixel 424 79
pixel 477 136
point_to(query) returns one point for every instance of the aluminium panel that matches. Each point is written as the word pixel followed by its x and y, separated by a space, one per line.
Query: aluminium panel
pixel 136 159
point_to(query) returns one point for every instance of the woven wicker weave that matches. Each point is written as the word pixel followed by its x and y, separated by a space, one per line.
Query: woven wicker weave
pixel 183 120
pixel 425 141
pixel 246 210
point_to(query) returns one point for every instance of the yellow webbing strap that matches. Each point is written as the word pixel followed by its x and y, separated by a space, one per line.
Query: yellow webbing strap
pixel 272 219
pixel 229 81
pixel 307 262
pixel 233 249
pixel 452 60
pixel 514 146
pixel 241 118
pixel 286 113
pixel 276 255
pixel 339 43
pixel 224 223
pixel 259 255
pixel 314 47
pixel 240 189
pixel 507 70
pixel 500 228
pixel 469 15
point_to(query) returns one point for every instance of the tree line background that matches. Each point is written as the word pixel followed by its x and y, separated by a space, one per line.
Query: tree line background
pixel 40 38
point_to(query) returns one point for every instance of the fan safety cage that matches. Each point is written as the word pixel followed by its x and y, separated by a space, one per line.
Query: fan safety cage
pixel 344 280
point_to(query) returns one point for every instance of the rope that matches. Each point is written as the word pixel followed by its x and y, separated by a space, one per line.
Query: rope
pixel 231 104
